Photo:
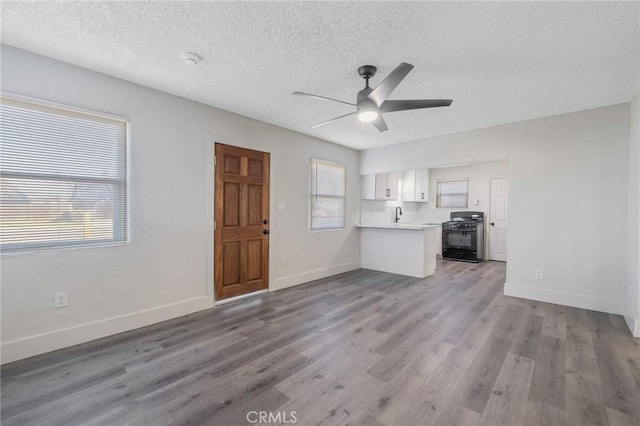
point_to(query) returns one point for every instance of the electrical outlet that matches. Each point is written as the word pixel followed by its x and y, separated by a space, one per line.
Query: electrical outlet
pixel 283 259
pixel 61 299
pixel 538 274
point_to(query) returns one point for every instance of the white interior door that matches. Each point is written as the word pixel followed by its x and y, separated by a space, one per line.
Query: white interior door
pixel 498 219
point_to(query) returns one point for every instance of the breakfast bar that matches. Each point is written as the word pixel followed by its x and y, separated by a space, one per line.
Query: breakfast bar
pixel 405 249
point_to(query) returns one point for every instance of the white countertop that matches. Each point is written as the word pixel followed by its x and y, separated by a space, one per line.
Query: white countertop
pixel 401 226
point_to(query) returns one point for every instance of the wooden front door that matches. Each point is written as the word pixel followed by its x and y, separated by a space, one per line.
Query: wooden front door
pixel 241 249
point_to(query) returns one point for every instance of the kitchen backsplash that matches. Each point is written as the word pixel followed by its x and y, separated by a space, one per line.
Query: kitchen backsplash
pixel 383 212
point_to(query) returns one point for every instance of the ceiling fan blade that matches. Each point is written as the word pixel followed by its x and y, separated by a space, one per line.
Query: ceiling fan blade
pixel 380 123
pixel 390 106
pixel 329 121
pixel 384 89
pixel 322 98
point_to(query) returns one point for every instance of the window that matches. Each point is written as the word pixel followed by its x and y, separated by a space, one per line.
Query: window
pixel 63 177
pixel 452 193
pixel 328 182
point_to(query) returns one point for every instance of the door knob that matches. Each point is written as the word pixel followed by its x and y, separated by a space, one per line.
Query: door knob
pixel 265 231
pixel 493 224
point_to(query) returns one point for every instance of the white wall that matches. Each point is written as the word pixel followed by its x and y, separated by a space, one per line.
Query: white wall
pixel 166 269
pixel 568 197
pixel 633 258
pixel 479 175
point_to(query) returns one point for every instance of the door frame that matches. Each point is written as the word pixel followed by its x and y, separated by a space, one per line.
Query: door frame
pixel 488 219
pixel 210 208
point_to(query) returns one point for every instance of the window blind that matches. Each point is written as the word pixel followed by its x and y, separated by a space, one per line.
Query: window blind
pixel 328 188
pixel 63 177
pixel 452 193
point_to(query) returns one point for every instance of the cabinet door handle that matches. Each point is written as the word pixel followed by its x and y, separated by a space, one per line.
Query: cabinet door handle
pixel 422 195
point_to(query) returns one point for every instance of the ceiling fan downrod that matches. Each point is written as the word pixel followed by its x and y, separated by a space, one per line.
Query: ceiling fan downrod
pixel 366 72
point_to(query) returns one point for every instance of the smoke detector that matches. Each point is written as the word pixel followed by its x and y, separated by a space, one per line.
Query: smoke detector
pixel 190 59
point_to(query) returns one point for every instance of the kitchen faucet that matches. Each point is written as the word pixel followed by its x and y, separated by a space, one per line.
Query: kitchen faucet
pixel 397 218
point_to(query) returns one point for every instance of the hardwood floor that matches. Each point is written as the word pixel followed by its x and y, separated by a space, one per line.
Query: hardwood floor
pixel 362 347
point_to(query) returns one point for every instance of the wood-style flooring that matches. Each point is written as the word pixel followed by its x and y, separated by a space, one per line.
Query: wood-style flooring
pixel 361 348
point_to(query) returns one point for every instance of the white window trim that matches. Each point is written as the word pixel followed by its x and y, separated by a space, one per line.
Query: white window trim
pixel 328 196
pixel 10 252
pixel 66 107
pixel 466 179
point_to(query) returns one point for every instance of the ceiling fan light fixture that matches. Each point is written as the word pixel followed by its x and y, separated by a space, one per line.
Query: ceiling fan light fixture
pixel 367 115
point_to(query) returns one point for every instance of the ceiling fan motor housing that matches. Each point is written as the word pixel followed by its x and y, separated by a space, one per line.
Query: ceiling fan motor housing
pixel 363 101
pixel 366 109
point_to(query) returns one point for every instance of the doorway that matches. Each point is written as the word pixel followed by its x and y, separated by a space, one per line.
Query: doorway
pixel 241 221
pixel 498 219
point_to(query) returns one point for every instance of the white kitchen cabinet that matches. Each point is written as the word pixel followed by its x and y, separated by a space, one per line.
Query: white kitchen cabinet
pixel 381 186
pixel 387 186
pixel 392 185
pixel 368 188
pixel 415 186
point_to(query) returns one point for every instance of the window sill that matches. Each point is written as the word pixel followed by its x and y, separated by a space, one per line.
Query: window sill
pixel 328 230
pixel 49 250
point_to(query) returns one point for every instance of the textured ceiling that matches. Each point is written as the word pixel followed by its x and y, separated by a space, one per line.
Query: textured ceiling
pixel 500 62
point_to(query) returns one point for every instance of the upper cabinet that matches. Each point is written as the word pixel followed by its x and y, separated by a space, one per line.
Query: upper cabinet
pixel 415 185
pixel 368 187
pixel 381 186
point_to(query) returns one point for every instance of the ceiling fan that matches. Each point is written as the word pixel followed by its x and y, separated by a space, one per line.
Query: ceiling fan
pixel 371 103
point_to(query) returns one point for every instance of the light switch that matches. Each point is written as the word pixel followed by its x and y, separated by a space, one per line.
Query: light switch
pixel 476 202
pixel 282 206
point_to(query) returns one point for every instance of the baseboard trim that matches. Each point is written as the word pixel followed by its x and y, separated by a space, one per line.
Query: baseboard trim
pixel 14 350
pixel 241 297
pixel 634 326
pixel 26 347
pixel 565 298
pixel 316 274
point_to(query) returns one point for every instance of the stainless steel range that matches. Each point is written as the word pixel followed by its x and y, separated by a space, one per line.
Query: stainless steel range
pixel 463 237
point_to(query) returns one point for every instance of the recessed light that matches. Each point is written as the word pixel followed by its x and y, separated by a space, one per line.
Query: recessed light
pixel 190 59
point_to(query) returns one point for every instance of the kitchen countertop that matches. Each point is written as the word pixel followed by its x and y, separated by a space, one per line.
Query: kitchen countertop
pixel 401 226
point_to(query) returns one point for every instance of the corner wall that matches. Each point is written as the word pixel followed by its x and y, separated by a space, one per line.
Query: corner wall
pixel 633 251
pixel 166 269
pixel 568 192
